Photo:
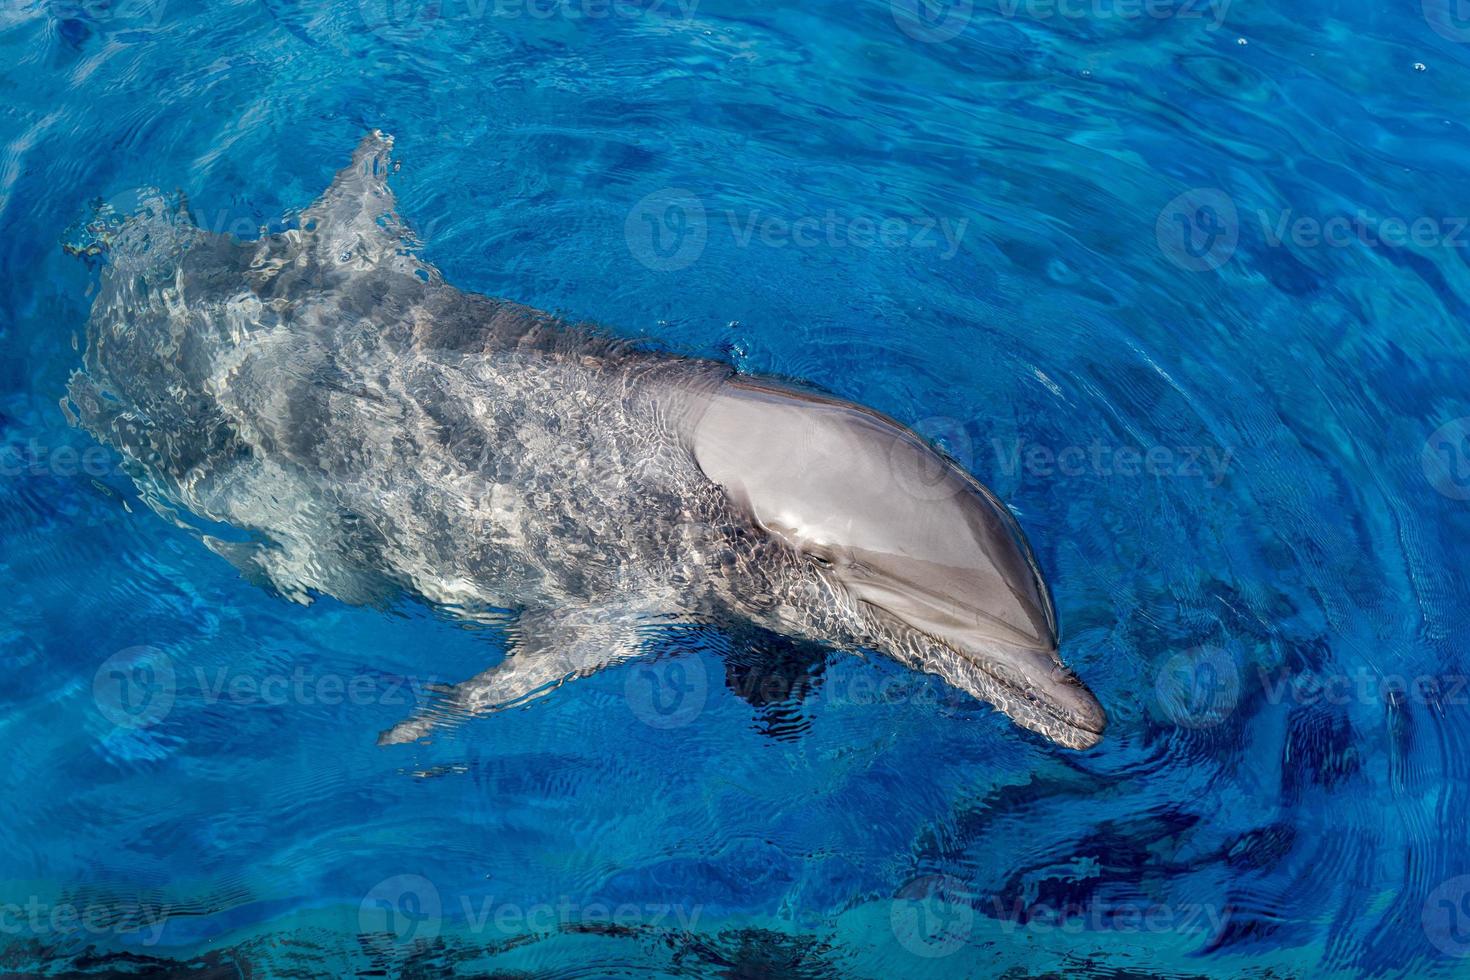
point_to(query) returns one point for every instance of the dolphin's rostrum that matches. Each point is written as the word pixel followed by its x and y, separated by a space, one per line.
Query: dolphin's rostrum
pixel 357 427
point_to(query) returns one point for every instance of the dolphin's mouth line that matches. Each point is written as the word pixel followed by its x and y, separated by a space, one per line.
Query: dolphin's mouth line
pixel 989 619
pixel 1011 686
pixel 1050 708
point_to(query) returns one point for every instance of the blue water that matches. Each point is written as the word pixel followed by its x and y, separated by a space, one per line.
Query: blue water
pixel 1235 425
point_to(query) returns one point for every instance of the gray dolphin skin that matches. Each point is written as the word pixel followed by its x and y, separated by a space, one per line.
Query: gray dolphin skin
pixel 328 414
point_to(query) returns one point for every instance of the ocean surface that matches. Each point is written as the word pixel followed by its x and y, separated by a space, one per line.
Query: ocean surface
pixel 1184 283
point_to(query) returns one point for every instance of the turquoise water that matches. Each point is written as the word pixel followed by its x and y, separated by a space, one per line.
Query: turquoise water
pixel 1185 284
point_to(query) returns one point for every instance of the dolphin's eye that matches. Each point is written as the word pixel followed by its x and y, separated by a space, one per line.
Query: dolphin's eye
pixel 820 560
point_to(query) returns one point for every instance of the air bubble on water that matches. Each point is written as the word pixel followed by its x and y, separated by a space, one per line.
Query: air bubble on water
pixel 1420 66
pixel 1241 41
pixel 737 350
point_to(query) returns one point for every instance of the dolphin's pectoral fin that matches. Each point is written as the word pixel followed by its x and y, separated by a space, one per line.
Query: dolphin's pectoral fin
pixel 547 650
pixel 355 223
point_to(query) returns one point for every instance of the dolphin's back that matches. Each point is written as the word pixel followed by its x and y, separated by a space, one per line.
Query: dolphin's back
pixel 334 396
pixel 150 356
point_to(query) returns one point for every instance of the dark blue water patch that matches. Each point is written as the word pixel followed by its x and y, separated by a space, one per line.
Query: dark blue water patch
pixel 1120 868
pixel 1244 931
pixel 1320 751
pixel 760 953
pixel 775 676
pixel 1286 272
pixel 1263 848
pixel 748 870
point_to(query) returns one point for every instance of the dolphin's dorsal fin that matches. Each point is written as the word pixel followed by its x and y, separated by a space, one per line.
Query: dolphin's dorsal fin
pixel 355 223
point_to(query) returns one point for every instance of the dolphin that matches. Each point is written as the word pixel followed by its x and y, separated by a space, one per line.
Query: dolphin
pixel 328 414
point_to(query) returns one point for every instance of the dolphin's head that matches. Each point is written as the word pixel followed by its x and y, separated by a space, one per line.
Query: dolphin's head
pixel 935 564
